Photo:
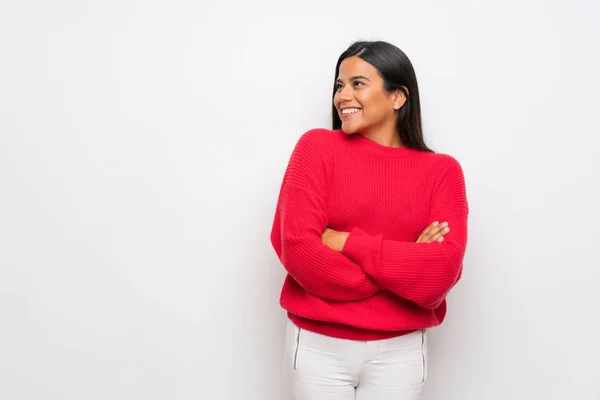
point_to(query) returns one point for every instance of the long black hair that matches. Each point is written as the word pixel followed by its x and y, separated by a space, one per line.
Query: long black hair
pixel 398 74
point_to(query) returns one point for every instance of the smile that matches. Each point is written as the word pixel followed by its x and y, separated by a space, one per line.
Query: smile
pixel 347 111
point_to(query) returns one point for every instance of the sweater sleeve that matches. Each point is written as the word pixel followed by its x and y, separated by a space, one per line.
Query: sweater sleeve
pixel 423 273
pixel 300 220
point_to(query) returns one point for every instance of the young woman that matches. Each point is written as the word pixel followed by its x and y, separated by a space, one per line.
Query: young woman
pixel 371 226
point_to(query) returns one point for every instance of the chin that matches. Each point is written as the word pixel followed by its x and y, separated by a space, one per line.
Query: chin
pixel 349 130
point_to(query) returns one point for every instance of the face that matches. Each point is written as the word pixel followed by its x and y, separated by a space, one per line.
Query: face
pixel 361 101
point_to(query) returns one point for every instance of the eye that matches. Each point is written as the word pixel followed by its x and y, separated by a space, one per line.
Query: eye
pixel 338 86
pixel 358 83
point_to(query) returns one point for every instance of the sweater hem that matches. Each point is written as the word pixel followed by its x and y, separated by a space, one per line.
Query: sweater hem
pixel 341 331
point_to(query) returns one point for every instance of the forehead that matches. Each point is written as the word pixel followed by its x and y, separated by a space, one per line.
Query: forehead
pixel 353 66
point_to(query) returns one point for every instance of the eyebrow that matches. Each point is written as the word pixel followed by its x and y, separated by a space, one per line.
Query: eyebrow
pixel 353 78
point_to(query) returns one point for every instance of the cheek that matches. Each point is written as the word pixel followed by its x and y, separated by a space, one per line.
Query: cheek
pixel 376 106
pixel 368 100
pixel 336 100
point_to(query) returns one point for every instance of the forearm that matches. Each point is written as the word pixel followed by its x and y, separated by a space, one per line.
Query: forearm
pixel 321 271
pixel 423 273
pixel 324 273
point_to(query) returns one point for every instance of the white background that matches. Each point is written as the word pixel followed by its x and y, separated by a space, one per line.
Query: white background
pixel 142 145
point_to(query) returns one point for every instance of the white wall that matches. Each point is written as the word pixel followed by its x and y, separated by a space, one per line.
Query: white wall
pixel 142 145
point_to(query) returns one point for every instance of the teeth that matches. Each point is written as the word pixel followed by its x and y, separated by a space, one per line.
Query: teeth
pixel 350 110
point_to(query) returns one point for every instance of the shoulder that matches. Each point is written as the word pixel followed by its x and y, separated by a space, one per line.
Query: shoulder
pixel 443 170
pixel 313 146
pixel 320 136
pixel 318 141
pixel 310 155
pixel 449 178
pixel 442 163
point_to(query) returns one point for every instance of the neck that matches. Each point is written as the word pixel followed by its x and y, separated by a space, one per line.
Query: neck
pixel 383 135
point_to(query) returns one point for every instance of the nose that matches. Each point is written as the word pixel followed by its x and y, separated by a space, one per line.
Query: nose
pixel 345 94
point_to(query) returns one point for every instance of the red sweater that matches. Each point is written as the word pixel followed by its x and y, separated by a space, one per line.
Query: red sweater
pixel 382 284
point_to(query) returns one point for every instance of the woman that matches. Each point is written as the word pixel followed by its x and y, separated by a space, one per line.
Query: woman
pixel 371 226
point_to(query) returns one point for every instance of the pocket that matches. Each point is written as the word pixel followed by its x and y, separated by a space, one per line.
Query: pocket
pixel 424 362
pixel 297 331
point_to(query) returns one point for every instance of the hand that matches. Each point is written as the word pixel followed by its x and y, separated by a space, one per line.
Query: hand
pixel 334 240
pixel 434 233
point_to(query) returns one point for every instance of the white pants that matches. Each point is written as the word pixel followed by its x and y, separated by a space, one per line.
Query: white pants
pixel 319 367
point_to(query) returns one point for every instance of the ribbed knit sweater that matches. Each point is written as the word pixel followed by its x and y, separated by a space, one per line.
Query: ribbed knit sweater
pixel 383 283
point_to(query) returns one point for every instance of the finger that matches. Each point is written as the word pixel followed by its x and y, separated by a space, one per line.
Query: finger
pixel 434 230
pixel 440 234
pixel 431 233
pixel 427 232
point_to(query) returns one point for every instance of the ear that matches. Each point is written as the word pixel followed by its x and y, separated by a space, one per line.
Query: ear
pixel 400 98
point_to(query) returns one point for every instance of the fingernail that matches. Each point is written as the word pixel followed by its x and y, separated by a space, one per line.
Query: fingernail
pixel 435 223
pixel 444 224
pixel 447 230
